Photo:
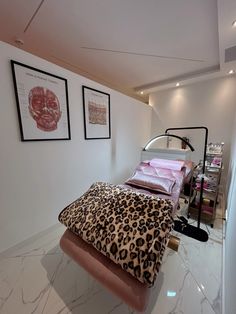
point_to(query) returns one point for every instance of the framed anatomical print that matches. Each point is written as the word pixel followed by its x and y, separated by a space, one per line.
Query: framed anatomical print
pixel 96 106
pixel 42 104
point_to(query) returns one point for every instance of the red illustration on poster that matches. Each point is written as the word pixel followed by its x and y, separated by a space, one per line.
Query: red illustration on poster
pixel 44 107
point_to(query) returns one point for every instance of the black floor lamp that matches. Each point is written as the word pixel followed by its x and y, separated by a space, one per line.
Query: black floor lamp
pixel 182 225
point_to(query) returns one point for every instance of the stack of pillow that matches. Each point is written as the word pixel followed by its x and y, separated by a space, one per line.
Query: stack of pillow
pixel 153 180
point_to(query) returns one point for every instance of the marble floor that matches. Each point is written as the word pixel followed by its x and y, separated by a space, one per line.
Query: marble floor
pixel 37 277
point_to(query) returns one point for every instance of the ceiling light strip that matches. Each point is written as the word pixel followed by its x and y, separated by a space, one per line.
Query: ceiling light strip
pixel 142 54
pixel 33 16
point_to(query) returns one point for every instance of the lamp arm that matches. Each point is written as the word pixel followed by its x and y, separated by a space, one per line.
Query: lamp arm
pixel 195 128
pixel 167 135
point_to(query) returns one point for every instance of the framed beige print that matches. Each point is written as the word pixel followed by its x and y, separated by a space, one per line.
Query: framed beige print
pixel 96 105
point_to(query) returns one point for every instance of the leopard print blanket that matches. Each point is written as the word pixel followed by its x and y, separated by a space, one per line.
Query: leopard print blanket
pixel 129 227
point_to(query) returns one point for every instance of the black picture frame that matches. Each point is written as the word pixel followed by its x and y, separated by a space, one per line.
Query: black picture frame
pixel 96 109
pixel 42 104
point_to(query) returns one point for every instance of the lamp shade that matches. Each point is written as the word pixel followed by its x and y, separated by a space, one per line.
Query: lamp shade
pixel 154 139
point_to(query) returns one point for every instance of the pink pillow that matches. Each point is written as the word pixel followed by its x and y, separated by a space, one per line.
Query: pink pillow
pixel 157 184
pixel 167 164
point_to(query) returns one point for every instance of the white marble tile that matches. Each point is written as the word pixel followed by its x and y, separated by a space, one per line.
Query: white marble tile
pixel 70 288
pixel 46 243
pixel 37 277
pixel 75 291
pixel 25 284
pixel 176 290
pixel 204 262
pixel 204 259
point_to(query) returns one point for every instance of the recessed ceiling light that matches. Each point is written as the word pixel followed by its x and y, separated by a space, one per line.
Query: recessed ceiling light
pixel 234 23
pixel 141 92
pixel 19 41
pixel 231 72
pixel 177 84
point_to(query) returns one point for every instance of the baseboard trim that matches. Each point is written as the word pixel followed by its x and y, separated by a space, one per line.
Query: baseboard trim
pixel 18 246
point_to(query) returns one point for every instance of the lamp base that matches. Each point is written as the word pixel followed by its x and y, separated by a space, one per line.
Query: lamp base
pixel 190 231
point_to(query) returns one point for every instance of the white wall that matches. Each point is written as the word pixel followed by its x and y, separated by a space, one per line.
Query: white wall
pixel 37 179
pixel 209 103
pixel 230 237
pixel 230 234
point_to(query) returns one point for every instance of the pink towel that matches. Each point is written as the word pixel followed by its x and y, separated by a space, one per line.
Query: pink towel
pixel 167 164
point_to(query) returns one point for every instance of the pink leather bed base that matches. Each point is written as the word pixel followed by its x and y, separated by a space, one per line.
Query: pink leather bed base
pixel 109 274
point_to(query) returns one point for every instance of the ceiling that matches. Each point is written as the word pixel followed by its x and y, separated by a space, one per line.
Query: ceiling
pixel 130 45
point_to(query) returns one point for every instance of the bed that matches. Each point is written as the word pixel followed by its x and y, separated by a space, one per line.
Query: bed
pixel 118 233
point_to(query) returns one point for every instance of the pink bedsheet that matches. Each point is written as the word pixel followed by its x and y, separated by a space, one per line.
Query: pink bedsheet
pixel 177 176
pixel 167 164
